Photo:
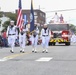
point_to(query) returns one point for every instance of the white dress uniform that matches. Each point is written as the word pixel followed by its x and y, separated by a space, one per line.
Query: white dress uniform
pixel 73 38
pixel 45 36
pixel 34 39
pixel 56 18
pixel 12 34
pixel 22 39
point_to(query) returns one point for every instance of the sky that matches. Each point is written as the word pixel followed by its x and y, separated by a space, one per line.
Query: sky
pixel 44 5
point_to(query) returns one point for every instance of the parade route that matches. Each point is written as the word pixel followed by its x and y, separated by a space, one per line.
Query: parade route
pixel 60 60
pixel 13 56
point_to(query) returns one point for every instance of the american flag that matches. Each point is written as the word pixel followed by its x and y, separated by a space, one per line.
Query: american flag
pixel 20 16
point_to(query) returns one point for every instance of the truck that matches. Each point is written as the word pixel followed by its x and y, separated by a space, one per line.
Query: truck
pixel 60 33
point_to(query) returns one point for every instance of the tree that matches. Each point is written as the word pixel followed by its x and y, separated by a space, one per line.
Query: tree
pixel 73 28
pixel 1 14
pixel 12 16
pixel 5 25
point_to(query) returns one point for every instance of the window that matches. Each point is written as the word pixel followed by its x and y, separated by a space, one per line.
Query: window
pixel 35 17
pixel 43 15
pixel 35 21
pixel 35 13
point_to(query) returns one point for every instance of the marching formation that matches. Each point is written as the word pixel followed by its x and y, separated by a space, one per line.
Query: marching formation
pixel 13 32
pixel 21 30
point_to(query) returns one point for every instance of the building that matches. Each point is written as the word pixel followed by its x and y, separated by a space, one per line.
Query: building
pixel 40 16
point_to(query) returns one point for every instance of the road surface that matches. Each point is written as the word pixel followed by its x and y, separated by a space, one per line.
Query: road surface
pixel 60 60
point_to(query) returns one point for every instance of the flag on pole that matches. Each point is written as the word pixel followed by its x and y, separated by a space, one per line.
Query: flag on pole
pixel 32 18
pixel 25 19
pixel 20 16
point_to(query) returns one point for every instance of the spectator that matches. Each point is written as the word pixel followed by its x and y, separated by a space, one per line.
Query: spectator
pixel 61 19
pixel 1 41
pixel 4 39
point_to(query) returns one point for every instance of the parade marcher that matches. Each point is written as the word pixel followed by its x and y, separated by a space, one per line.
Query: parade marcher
pixel 56 18
pixel 45 36
pixel 12 34
pixel 22 38
pixel 73 38
pixel 34 39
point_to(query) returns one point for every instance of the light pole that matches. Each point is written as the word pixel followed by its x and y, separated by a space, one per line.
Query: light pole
pixel 40 7
pixel 0 26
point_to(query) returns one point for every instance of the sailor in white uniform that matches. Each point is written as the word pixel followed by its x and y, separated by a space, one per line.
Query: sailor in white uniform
pixel 22 38
pixel 34 39
pixel 73 38
pixel 12 34
pixel 56 18
pixel 45 36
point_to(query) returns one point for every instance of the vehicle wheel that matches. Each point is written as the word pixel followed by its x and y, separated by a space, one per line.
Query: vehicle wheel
pixel 67 44
pixel 54 44
pixel 50 43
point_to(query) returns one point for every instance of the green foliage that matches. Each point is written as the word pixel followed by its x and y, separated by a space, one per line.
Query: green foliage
pixel 73 28
pixel 0 22
pixel 5 25
pixel 12 16
pixel 1 14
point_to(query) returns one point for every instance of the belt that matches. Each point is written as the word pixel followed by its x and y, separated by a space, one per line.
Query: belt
pixel 44 35
pixel 11 34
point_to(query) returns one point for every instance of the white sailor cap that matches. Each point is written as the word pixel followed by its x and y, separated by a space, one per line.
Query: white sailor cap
pixel 11 21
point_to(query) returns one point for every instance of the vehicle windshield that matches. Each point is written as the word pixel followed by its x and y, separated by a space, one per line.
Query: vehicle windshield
pixel 58 27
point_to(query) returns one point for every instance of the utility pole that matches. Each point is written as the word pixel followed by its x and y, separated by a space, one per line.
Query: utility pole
pixel 0 22
pixel 0 8
pixel 39 7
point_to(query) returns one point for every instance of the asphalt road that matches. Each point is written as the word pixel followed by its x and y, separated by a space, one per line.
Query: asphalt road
pixel 60 60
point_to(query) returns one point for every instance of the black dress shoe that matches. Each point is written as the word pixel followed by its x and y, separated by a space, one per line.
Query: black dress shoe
pixel 43 51
pixel 23 52
pixel 46 52
pixel 11 51
pixel 35 51
pixel 20 51
pixel 32 51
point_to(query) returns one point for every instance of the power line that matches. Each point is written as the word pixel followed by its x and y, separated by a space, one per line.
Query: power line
pixel 60 10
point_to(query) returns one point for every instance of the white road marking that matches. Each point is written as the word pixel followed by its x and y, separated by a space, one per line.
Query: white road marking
pixel 44 59
pixel 5 59
pixel 2 59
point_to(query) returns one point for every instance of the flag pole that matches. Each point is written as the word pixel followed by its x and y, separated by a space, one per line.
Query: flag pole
pixel 19 16
pixel 31 17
